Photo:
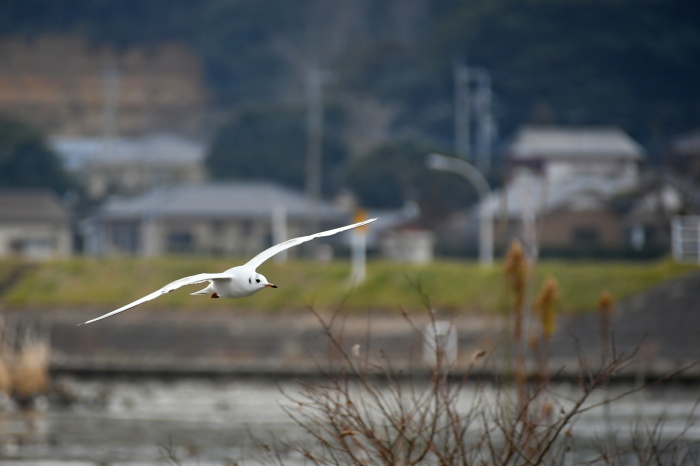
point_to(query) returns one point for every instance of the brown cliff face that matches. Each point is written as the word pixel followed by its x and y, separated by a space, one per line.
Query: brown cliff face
pixel 62 84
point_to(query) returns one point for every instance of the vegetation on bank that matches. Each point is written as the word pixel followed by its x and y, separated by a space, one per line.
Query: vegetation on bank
pixel 102 284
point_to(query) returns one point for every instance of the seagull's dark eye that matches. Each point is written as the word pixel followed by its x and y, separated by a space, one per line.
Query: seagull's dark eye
pixel 257 280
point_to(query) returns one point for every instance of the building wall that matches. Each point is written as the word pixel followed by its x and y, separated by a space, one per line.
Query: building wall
pixel 409 246
pixel 35 240
pixel 102 180
pixel 557 170
pixel 150 237
pixel 124 237
pixel 567 230
pixel 228 237
pixel 154 237
pixel 580 229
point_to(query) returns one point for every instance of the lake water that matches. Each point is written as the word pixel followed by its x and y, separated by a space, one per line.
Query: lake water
pixel 210 421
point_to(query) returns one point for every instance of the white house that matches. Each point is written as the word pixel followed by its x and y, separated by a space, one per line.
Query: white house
pixel 561 186
pixel 132 165
pixel 560 153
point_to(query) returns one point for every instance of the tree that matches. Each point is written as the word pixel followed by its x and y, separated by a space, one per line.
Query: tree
pixel 270 144
pixel 26 160
pixel 396 173
pixel 621 62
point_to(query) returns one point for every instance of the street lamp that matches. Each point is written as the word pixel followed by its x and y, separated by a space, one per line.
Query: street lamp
pixel 475 177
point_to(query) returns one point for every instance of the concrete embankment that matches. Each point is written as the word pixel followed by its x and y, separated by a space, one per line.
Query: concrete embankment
pixel 236 342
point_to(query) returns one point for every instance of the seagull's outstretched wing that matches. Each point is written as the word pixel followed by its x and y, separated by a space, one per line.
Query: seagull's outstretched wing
pixel 199 278
pixel 255 262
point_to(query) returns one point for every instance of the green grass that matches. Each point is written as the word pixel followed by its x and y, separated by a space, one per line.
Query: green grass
pixel 104 284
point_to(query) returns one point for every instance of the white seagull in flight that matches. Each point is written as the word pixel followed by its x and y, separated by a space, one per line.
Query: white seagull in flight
pixel 236 282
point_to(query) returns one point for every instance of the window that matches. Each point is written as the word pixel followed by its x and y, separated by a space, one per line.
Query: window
pixel 217 227
pixel 586 236
pixel 180 241
pixel 124 236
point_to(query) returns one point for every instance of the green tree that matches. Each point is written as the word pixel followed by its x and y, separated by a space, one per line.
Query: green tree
pixel 396 173
pixel 239 41
pixel 620 62
pixel 26 160
pixel 270 144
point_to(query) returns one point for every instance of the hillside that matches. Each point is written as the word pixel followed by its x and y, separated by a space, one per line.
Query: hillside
pixel 388 66
pixel 63 84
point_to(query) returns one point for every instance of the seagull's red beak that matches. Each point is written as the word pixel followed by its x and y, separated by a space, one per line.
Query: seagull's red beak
pixel 270 285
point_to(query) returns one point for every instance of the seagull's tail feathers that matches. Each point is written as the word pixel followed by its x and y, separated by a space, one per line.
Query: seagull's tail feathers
pixel 203 291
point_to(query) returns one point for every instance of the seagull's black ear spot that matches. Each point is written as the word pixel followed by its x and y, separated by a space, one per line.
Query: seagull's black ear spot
pixel 250 280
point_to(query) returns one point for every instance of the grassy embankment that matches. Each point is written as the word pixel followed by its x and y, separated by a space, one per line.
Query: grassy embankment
pixel 103 284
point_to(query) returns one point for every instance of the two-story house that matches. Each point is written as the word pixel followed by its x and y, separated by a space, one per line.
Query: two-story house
pixel 562 185
pixel 131 165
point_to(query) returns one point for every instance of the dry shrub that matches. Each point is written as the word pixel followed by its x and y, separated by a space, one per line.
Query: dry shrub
pixel 5 375
pixel 606 309
pixel 30 369
pixel 545 304
pixel 364 411
pixel 5 361
pixel 516 273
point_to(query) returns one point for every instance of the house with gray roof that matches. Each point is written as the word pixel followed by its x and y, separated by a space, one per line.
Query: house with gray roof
pixel 558 153
pixel 562 189
pixel 33 225
pixel 232 219
pixel 131 165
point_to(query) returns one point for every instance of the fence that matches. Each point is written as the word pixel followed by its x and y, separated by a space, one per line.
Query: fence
pixel 685 234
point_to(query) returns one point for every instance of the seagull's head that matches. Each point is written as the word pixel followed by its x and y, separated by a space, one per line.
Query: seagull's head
pixel 258 281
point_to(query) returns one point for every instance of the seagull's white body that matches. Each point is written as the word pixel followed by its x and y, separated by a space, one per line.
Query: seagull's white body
pixel 234 285
pixel 236 282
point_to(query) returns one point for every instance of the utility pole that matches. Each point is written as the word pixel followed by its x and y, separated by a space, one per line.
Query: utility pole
pixel 473 114
pixel 462 113
pixel 314 140
pixel 484 120
pixel 359 249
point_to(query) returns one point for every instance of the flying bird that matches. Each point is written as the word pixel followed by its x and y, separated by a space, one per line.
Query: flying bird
pixel 236 282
